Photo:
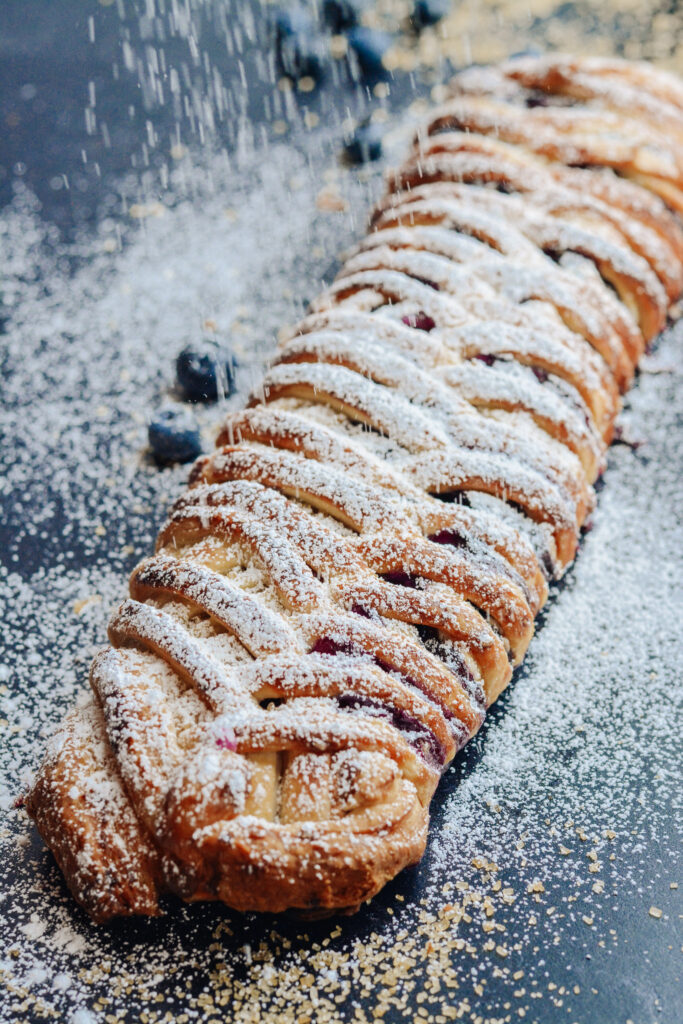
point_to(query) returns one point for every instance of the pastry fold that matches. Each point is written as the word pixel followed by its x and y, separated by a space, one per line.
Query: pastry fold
pixel 352 574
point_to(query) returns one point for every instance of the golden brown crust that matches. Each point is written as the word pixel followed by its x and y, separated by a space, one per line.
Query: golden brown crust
pixel 353 572
pixel 85 818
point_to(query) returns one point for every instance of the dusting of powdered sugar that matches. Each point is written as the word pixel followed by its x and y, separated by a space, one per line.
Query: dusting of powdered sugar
pixel 550 831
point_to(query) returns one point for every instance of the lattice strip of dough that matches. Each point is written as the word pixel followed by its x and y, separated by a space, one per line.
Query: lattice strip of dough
pixel 575 137
pixel 260 630
pixel 463 470
pixel 237 696
pixel 488 582
pixel 503 475
pixel 582 305
pixel 399 653
pixel 618 193
pixel 547 195
pixel 357 398
pixel 543 352
pixel 432 394
pixel 512 387
pixel 416 262
pixel 597 386
pixel 80 761
pixel 433 399
pixel 659 101
pixel 499 597
pixel 280 429
pixel 480 592
pixel 441 609
pixel 289 573
pixel 618 263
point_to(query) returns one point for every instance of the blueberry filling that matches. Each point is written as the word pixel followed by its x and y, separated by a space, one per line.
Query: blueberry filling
pixel 427 633
pixel 326 645
pixel 450 537
pixel 447 652
pixel 400 579
pixel 547 565
pixel 270 703
pixel 427 282
pixel 420 738
pixel 226 742
pixel 554 254
pixel 489 360
pixel 453 497
pixel 540 374
pixel 358 609
pixel 419 321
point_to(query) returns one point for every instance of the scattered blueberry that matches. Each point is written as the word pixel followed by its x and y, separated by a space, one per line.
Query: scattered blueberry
pixel 200 370
pixel 365 144
pixel 292 21
pixel 369 46
pixel 429 12
pixel 343 14
pixel 303 54
pixel 174 434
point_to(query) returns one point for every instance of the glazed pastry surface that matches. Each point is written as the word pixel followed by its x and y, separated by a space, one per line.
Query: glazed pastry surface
pixel 353 573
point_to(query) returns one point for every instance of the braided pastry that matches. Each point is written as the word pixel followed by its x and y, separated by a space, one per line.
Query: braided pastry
pixel 353 573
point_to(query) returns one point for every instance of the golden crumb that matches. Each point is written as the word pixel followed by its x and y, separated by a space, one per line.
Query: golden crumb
pixel 329 200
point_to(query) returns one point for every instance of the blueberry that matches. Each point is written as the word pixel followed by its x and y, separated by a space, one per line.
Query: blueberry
pixel 302 54
pixel 292 21
pixel 343 14
pixel 174 434
pixel 204 369
pixel 365 144
pixel 369 47
pixel 429 12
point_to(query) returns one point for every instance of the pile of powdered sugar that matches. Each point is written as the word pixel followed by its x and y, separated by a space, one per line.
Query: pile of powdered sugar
pixel 558 816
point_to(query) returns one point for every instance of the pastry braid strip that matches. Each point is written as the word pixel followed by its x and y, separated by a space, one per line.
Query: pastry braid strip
pixel 353 572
